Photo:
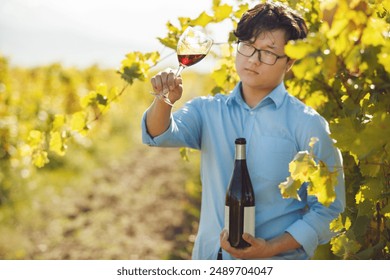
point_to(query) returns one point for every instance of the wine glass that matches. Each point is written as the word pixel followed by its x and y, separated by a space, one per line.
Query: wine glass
pixel 192 47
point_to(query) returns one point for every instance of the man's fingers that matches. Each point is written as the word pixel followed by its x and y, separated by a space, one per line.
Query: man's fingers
pixel 225 244
pixel 249 238
pixel 224 236
pixel 164 81
pixel 171 81
pixel 156 83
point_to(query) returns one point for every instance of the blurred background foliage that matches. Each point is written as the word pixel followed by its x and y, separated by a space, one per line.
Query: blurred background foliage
pixel 76 183
pixel 104 195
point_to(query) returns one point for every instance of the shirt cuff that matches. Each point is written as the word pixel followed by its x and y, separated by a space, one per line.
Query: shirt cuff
pixel 304 235
pixel 147 138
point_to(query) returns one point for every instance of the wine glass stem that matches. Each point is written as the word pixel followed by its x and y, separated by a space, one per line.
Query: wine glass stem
pixel 179 70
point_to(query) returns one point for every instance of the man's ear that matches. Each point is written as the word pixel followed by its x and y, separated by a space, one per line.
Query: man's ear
pixel 289 64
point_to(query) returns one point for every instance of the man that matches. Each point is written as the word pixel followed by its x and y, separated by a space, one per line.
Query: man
pixel 276 126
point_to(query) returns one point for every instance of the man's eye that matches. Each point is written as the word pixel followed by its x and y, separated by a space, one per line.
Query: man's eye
pixel 268 53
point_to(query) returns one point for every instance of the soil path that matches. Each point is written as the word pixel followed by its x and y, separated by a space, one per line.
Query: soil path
pixel 134 209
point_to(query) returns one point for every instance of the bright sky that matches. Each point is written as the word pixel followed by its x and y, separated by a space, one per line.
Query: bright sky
pixel 84 32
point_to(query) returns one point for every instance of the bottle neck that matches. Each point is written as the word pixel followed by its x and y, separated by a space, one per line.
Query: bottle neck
pixel 240 152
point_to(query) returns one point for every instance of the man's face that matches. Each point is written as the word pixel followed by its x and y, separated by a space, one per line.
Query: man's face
pixel 257 75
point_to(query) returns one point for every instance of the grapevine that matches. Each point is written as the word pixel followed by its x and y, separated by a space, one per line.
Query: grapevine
pixel 342 71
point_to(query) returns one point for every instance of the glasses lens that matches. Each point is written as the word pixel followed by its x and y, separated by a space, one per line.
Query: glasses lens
pixel 245 49
pixel 268 57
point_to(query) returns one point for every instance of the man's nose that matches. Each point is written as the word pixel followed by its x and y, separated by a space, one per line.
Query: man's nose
pixel 255 57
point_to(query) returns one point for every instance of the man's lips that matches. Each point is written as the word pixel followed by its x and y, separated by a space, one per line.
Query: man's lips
pixel 251 71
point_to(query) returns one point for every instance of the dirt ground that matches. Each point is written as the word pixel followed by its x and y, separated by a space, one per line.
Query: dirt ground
pixel 134 209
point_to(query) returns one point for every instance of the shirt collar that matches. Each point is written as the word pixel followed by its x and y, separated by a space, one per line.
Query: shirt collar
pixel 276 96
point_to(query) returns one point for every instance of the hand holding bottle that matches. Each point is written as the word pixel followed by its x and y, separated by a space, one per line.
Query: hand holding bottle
pixel 259 248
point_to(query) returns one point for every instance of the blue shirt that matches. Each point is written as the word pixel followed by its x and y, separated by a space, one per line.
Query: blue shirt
pixel 275 130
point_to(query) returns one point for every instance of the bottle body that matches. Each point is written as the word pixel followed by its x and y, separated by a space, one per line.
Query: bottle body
pixel 240 200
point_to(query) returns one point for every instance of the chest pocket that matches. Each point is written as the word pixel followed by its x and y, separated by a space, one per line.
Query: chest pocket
pixel 269 158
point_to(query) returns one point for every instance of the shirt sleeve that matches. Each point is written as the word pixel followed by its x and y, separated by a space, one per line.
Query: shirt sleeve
pixel 184 129
pixel 313 228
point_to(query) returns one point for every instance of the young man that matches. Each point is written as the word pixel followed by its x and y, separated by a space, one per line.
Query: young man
pixel 276 126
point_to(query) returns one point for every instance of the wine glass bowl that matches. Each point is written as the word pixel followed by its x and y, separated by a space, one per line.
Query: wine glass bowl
pixel 192 47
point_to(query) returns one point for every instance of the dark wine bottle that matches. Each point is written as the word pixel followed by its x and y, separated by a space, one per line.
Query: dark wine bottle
pixel 240 200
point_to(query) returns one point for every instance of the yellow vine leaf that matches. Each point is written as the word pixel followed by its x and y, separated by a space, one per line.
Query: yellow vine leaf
pixel 384 58
pixel 219 75
pixel 359 197
pixel 58 122
pixel 386 210
pixel 316 100
pixel 36 141
pixel 222 12
pixel 289 188
pixel 322 183
pixel 39 158
pixel 241 10
pixel 136 64
pixel 113 93
pixel 35 138
pixel 88 99
pixel 302 166
pixel 337 224
pixel 202 20
pixel 347 223
pixel 56 143
pixel 79 122
pixel 370 33
pixel 101 96
pixel 299 49
pixel 343 246
pixel 328 4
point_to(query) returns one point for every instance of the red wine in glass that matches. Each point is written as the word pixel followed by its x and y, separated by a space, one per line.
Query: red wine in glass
pixel 190 59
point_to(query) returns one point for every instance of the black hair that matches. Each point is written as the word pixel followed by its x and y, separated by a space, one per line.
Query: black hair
pixel 270 16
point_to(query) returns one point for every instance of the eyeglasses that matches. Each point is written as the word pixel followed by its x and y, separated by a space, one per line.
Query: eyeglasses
pixel 265 56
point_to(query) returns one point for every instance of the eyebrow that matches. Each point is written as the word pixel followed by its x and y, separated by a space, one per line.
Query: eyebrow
pixel 272 47
pixel 267 46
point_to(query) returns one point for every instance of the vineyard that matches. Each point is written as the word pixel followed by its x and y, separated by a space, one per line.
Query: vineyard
pixel 76 182
pixel 108 196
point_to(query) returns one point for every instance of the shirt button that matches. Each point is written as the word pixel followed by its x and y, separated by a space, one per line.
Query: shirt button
pixel 252 113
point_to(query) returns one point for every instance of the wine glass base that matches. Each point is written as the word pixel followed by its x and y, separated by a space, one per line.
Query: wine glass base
pixel 162 97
